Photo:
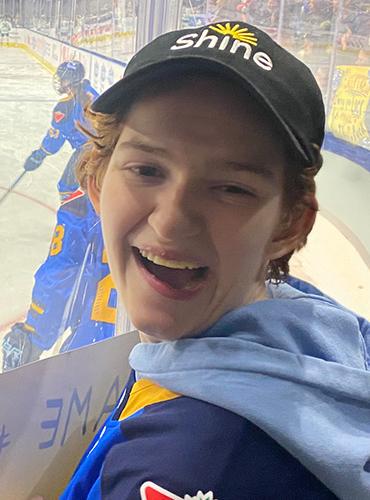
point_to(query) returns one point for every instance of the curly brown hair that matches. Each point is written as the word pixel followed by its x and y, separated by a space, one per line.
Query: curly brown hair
pixel 98 150
pixel 300 186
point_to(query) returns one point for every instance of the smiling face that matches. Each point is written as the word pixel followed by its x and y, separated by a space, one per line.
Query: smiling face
pixel 191 206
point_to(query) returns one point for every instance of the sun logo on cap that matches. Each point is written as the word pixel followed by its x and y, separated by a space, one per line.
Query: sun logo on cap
pixel 241 34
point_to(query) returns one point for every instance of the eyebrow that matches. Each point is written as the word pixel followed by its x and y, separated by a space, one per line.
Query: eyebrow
pixel 142 146
pixel 260 170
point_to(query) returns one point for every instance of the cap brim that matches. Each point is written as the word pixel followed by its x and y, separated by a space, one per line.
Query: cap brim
pixel 122 94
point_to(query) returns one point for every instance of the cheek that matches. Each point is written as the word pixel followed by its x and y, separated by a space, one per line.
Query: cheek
pixel 242 242
pixel 117 218
pixel 119 210
pixel 240 257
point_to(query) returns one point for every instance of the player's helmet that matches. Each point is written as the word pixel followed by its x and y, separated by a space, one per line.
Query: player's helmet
pixel 68 75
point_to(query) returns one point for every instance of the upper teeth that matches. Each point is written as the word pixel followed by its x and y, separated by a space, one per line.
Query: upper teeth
pixel 174 264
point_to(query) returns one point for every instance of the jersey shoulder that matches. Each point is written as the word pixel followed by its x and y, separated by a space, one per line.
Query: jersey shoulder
pixel 186 445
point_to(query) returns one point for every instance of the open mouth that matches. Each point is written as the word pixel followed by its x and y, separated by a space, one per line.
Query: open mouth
pixel 177 278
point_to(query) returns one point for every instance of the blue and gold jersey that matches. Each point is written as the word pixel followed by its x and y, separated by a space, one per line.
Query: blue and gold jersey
pixel 159 445
pixel 73 287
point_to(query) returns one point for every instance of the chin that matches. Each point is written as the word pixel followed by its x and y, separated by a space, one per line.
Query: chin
pixel 160 327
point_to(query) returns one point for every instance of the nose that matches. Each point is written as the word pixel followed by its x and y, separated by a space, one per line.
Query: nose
pixel 177 214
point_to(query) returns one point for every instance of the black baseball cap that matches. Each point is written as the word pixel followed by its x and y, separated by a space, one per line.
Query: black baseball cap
pixel 278 80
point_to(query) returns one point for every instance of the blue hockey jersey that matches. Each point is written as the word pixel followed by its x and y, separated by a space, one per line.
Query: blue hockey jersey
pixel 73 287
pixel 160 445
pixel 66 113
pixel 93 300
pixel 267 403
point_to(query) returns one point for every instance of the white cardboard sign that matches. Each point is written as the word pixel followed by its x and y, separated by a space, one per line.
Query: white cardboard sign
pixel 51 409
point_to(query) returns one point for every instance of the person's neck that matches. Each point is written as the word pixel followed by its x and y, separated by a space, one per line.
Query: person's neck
pixel 259 293
pixel 148 339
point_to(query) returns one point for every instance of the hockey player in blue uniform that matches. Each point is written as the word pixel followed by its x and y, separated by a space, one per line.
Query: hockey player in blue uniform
pixel 67 294
pixel 243 387
pixel 68 79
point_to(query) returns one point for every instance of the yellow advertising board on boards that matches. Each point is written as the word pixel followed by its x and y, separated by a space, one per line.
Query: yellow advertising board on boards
pixel 349 116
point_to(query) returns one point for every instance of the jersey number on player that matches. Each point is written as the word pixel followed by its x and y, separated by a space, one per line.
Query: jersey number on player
pixel 57 241
pixel 101 310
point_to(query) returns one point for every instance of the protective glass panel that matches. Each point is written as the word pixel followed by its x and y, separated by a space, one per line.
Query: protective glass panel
pixel 58 299
pixel 59 294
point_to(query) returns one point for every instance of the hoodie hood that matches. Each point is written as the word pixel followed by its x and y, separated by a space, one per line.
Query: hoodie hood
pixel 295 366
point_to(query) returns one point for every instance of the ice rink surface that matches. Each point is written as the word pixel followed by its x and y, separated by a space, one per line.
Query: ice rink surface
pixel 27 216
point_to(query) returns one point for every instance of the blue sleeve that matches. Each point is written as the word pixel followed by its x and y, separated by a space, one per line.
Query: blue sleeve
pixel 88 89
pixel 56 136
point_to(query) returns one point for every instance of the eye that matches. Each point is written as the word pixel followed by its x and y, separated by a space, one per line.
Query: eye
pixel 146 171
pixel 235 190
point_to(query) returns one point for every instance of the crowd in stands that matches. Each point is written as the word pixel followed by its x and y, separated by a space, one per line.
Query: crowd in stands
pixel 306 27
pixel 307 23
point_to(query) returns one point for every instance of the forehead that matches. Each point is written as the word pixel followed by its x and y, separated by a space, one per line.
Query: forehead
pixel 212 85
pixel 197 99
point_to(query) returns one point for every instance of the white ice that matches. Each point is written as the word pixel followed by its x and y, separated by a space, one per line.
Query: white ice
pixel 27 216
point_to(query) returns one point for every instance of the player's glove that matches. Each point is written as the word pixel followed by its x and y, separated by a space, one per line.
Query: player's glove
pixel 34 160
pixel 18 348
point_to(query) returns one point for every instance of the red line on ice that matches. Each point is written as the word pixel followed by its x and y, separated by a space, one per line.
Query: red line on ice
pixel 31 198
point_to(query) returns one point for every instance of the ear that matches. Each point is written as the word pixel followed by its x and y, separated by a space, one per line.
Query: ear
pixel 94 193
pixel 294 229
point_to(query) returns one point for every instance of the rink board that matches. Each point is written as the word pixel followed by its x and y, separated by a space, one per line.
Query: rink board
pixel 51 409
pixel 102 71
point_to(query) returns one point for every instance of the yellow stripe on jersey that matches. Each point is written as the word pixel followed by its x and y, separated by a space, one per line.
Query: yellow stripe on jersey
pixel 105 257
pixel 144 393
pixel 29 328
pixel 37 308
pixel 66 98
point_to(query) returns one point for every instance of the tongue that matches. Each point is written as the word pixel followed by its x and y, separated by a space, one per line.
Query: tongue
pixel 177 278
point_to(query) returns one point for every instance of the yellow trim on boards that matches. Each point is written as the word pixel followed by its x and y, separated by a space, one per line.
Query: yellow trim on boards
pixel 144 393
pixel 20 45
pixel 91 40
pixel 39 59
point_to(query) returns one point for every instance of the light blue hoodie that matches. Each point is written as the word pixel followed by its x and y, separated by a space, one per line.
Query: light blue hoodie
pixel 294 365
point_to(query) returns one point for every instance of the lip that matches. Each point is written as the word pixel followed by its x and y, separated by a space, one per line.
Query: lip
pixel 165 289
pixel 172 254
